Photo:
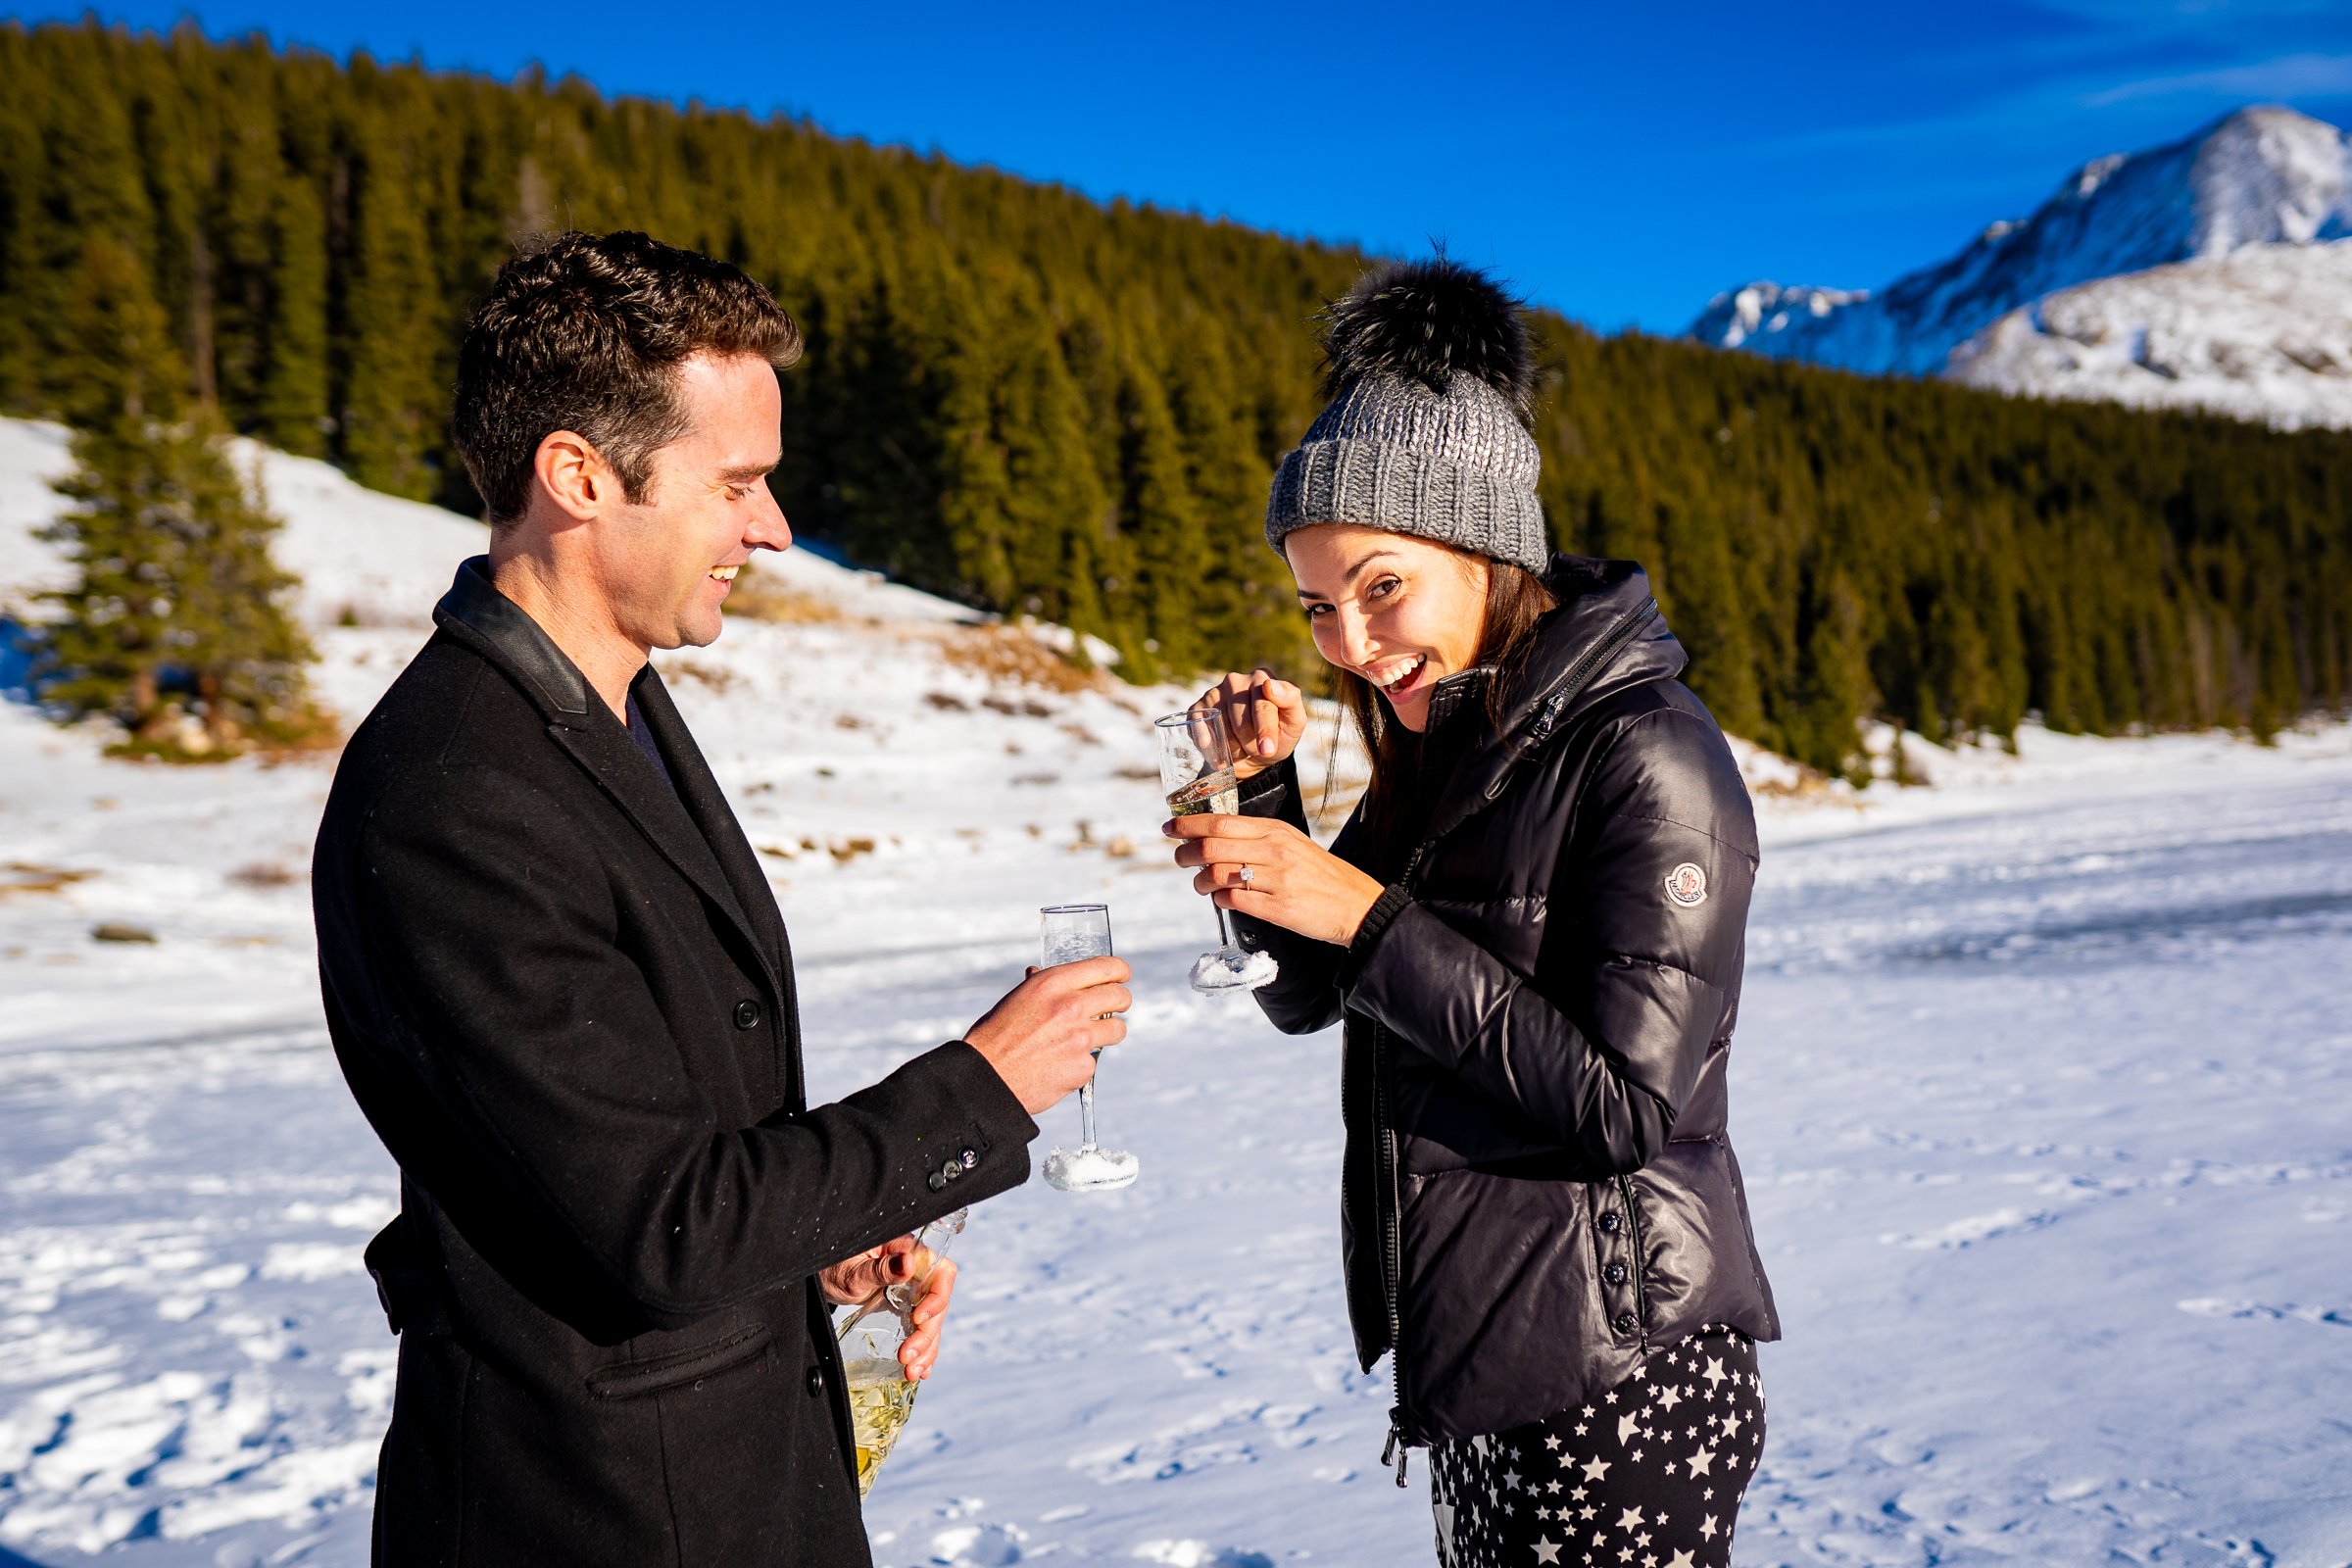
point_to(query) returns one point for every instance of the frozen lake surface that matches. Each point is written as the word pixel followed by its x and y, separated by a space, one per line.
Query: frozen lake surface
pixel 2040 1091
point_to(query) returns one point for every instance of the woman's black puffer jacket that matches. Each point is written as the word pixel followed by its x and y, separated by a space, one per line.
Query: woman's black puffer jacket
pixel 1538 1188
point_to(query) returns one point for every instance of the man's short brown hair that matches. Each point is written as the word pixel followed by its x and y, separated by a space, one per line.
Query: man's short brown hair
pixel 587 335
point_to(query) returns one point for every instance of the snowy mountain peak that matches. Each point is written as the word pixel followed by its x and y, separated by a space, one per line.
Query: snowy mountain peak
pixel 1737 314
pixel 2260 176
pixel 2269 176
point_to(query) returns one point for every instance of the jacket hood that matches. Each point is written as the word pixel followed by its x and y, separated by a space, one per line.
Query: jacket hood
pixel 1605 634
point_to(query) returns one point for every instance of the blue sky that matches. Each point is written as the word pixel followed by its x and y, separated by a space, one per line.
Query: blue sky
pixel 1621 162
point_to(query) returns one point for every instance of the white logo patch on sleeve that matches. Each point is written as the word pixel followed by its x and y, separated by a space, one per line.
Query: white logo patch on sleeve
pixel 1687 885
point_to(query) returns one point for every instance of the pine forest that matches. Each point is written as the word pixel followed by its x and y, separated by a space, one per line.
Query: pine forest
pixel 1037 402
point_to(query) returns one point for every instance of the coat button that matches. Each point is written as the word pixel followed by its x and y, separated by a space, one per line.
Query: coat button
pixel 1614 1273
pixel 951 1170
pixel 1609 1221
pixel 1626 1323
pixel 971 1157
pixel 746 1014
pixel 935 1181
pixel 816 1380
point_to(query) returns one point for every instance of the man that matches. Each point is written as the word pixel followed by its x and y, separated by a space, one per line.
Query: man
pixel 562 991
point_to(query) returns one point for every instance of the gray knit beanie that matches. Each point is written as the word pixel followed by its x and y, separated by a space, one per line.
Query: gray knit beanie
pixel 1427 369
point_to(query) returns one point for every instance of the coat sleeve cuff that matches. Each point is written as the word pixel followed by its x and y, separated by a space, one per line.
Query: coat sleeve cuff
pixel 989 1152
pixel 1384 909
pixel 1274 792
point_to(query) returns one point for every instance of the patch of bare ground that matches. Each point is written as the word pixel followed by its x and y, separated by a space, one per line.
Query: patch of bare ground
pixel 1007 656
pixel 716 676
pixel 757 596
pixel 23 876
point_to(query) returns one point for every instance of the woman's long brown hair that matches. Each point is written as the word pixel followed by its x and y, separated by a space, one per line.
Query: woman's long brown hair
pixel 1516 599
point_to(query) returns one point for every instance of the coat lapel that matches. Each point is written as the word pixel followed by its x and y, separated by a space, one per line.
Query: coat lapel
pixel 584 728
pixel 599 743
pixel 712 818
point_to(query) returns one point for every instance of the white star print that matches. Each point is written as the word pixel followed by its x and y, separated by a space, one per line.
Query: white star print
pixel 1670 1397
pixel 1626 1426
pixel 1546 1551
pixel 1551 1441
pixel 1706 1527
pixel 1681 1559
pixel 1701 1460
pixel 1597 1469
pixel 1713 1374
pixel 1632 1520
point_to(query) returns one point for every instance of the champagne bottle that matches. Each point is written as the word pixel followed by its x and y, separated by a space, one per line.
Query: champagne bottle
pixel 881 1394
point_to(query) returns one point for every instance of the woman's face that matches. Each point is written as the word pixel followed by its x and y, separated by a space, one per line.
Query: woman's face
pixel 1400 611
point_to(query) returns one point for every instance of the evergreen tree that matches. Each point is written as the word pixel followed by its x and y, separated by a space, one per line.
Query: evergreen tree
pixel 291 404
pixel 1039 404
pixel 175 626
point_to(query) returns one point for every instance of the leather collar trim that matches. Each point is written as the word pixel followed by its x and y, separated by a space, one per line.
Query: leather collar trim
pixel 474 603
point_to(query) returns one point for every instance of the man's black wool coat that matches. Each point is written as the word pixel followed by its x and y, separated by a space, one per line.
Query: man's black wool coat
pixel 563 994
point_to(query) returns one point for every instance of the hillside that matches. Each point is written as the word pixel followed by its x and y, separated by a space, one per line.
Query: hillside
pixel 1027 403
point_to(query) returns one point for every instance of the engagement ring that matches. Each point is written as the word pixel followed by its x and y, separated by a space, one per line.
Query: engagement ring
pixel 1248 874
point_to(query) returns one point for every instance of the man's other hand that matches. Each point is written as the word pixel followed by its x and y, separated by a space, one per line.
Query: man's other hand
pixel 1042 1037
pixel 857 1280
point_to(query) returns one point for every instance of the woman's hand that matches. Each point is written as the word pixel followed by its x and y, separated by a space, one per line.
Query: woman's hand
pixel 1267 870
pixel 855 1279
pixel 1266 719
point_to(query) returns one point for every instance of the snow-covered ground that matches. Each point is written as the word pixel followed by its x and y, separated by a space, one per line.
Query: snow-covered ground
pixel 2039 1093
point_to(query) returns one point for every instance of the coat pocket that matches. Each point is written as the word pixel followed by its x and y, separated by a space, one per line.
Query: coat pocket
pixel 650 1374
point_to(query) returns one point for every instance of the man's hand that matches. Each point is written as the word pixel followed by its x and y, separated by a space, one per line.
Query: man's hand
pixel 855 1279
pixel 1042 1037
pixel 1267 869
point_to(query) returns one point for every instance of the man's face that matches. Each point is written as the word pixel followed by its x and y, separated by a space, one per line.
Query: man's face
pixel 667 560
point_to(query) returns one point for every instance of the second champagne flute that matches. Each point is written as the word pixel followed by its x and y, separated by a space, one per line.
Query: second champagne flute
pixel 1195 770
pixel 1071 932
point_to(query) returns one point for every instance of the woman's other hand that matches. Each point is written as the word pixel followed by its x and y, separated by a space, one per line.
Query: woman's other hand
pixel 1270 871
pixel 1265 716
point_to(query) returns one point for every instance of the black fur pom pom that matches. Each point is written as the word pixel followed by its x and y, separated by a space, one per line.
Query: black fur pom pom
pixel 1431 322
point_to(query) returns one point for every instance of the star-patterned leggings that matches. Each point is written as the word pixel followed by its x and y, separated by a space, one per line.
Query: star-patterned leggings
pixel 1646 1474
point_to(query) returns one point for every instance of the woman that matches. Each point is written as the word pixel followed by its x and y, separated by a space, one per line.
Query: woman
pixel 1533 927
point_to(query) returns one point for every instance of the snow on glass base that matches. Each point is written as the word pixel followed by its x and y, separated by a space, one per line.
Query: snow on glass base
pixel 1233 970
pixel 1090 1170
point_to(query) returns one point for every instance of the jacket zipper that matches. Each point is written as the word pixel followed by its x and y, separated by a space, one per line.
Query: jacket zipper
pixel 1398 1446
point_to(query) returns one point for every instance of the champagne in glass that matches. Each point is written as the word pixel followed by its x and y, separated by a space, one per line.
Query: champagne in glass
pixel 1195 770
pixel 881 1393
pixel 1071 932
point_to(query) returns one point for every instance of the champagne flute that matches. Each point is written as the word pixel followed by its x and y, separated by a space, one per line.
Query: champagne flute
pixel 1195 770
pixel 1071 932
pixel 881 1393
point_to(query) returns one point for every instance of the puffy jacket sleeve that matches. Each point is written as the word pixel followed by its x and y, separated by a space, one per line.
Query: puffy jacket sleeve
pixel 495 980
pixel 1648 915
pixel 1304 994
